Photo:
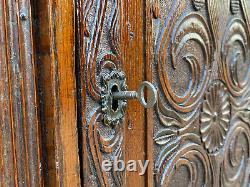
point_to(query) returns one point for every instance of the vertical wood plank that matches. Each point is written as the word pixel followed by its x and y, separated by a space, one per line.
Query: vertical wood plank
pixel 42 35
pixel 98 37
pixel 7 158
pixel 150 9
pixel 64 78
pixel 56 57
pixel 32 131
pixel 20 134
pixel 134 58
pixel 15 75
pixel 110 33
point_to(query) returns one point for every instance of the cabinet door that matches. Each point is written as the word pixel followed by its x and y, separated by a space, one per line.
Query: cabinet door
pixel 196 53
pixel 200 65
pixel 110 36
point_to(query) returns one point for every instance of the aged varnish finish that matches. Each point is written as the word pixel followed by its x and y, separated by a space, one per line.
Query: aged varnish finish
pixel 20 150
pixel 201 67
pixel 197 55
pixel 55 57
pixel 60 60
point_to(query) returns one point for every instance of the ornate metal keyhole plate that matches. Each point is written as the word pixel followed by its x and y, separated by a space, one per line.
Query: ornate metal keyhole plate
pixel 114 96
pixel 113 109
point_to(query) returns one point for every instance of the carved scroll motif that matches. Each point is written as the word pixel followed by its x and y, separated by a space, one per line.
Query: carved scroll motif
pixel 192 157
pixel 190 48
pixel 100 21
pixel 235 57
pixel 203 73
pixel 234 169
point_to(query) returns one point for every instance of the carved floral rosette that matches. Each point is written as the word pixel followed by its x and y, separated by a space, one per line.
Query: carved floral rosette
pixel 202 117
pixel 215 117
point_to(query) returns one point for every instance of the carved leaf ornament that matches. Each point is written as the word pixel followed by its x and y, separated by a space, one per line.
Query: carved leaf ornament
pixel 202 116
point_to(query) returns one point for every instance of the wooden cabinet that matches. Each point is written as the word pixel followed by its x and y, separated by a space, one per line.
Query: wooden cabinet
pixel 60 121
pixel 196 53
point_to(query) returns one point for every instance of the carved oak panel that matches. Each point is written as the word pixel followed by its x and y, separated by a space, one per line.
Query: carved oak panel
pixel 202 71
pixel 199 55
pixel 99 41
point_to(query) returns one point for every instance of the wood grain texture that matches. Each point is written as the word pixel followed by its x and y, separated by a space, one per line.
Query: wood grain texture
pixel 7 156
pixel 195 52
pixel 110 34
pixel 134 65
pixel 187 49
pixel 99 44
pixel 201 121
pixel 20 133
pixel 57 90
pixel 152 11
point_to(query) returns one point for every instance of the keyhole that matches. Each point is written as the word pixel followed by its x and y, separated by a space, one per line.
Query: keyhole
pixel 145 95
pixel 114 101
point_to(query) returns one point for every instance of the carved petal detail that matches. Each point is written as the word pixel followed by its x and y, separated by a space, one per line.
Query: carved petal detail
pixel 215 117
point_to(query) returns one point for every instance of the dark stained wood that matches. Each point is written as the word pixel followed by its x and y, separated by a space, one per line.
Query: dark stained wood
pixel 201 68
pixel 116 36
pixel 7 149
pixel 46 105
pixel 95 136
pixel 55 57
pixel 55 49
pixel 20 134
pixel 191 52
pixel 135 127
